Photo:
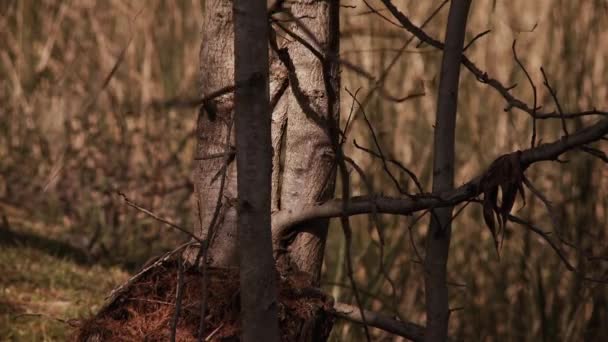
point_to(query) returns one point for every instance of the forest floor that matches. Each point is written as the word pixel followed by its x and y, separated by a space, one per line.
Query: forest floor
pixel 44 289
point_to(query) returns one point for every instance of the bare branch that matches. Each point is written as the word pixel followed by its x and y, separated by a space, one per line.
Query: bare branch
pixel 379 82
pixel 178 300
pixel 284 219
pixel 595 152
pixel 373 10
pixel 557 249
pixel 482 76
pixel 378 226
pixel 395 162
pixel 466 47
pixel 377 143
pixel 158 218
pixel 345 221
pixel 521 65
pixel 408 330
pixel 215 222
pixel 554 96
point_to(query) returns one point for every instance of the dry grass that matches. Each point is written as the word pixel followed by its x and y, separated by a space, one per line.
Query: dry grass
pixel 77 80
pixel 40 293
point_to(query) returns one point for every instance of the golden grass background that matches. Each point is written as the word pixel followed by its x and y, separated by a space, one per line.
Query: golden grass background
pixel 80 88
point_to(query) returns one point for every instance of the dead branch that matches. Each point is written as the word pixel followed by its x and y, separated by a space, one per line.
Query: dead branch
pixel 534 107
pixel 283 220
pixel 378 226
pixel 380 153
pixel 408 330
pixel 178 300
pixel 559 251
pixel 554 96
pixel 158 218
pixel 482 76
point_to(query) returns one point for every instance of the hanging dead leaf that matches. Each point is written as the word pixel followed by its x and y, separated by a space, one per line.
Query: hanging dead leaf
pixel 504 174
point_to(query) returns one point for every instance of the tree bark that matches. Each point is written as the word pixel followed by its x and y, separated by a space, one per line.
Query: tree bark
pixel 438 236
pixel 303 157
pixel 216 187
pixel 254 166
pixel 309 176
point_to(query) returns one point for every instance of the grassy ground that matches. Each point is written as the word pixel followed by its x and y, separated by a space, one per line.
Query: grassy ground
pixel 40 291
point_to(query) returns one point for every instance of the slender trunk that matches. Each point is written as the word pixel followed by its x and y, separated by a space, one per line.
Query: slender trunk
pixel 254 166
pixel 438 236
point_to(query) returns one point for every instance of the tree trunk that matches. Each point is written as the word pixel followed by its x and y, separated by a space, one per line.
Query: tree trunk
pixel 304 103
pixel 303 97
pixel 216 188
pixel 254 165
pixel 438 236
pixel 303 160
pixel 308 176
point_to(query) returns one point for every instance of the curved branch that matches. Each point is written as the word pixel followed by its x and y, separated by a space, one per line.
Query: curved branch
pixel 283 220
pixel 408 330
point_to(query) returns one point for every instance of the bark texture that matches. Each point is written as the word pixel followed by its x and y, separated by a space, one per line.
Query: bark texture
pixel 254 165
pixel 438 236
pixel 214 130
pixel 303 99
pixel 308 176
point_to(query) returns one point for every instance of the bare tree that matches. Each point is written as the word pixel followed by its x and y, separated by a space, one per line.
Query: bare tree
pixel 307 144
pixel 254 165
pixel 438 236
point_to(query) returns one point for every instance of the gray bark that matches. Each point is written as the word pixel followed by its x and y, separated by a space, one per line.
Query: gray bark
pixel 303 157
pixel 213 131
pixel 438 236
pixel 313 100
pixel 254 165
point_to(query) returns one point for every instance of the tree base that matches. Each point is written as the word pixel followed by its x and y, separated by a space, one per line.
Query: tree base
pixel 143 309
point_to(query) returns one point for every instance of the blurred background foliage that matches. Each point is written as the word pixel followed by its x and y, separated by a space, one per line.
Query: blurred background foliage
pixel 90 95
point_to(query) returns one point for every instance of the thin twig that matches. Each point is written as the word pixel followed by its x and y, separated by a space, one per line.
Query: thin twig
pixel 379 230
pixel 350 115
pixel 411 234
pixel 158 218
pixel 228 154
pixel 558 251
pixel 373 10
pixel 483 76
pixel 475 39
pixel 554 96
pixel 379 84
pixel 521 65
pixel 595 152
pixel 395 162
pixel 71 323
pixel 178 299
pixel 377 143
pixel 204 250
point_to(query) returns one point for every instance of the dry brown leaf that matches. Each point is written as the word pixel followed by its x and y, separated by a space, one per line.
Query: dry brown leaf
pixel 504 174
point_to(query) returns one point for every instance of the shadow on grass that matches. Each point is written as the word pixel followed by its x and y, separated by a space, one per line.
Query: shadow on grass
pixel 61 249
